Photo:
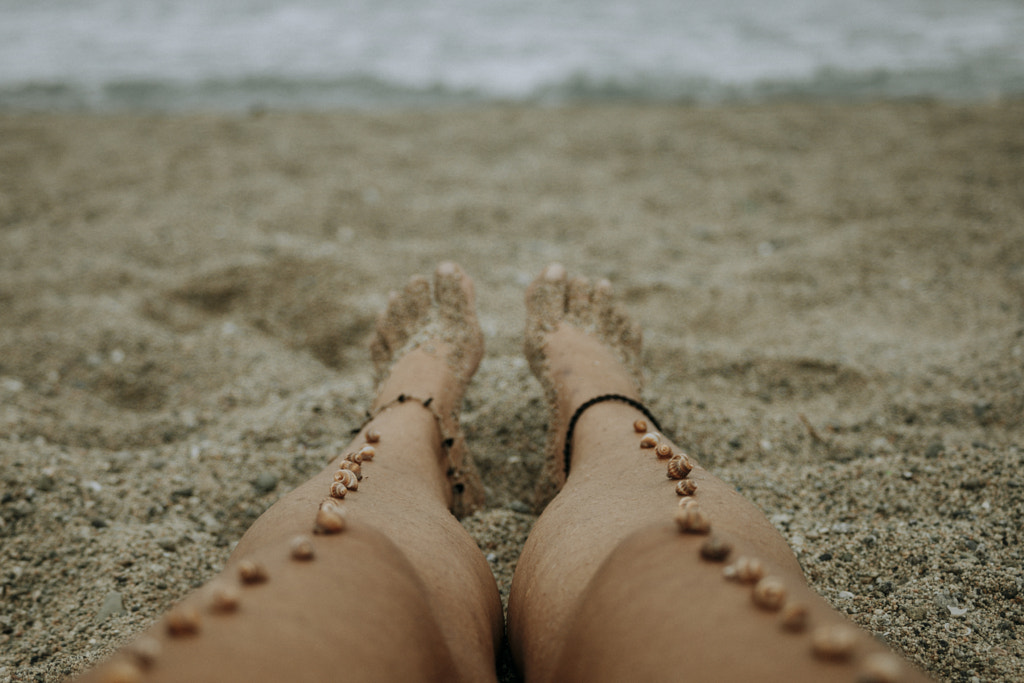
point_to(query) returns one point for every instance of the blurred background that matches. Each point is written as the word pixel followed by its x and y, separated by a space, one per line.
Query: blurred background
pixel 241 54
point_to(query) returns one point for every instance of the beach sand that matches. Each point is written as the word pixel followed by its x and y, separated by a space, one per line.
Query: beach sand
pixel 832 297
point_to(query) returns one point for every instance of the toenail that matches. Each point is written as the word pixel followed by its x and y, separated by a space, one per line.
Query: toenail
pixel 556 271
pixel 447 268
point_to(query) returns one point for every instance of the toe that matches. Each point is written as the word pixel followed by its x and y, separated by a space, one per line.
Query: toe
pixel 603 303
pixel 415 301
pixel 453 290
pixel 545 298
pixel 578 301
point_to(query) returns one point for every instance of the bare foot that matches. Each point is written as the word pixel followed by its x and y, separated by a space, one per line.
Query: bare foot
pixel 579 346
pixel 427 347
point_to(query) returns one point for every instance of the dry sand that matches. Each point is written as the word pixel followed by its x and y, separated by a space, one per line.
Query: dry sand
pixel 833 300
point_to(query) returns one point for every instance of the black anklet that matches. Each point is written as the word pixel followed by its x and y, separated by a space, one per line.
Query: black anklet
pixel 567 450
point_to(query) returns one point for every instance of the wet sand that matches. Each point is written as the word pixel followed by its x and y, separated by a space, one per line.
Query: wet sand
pixel 832 297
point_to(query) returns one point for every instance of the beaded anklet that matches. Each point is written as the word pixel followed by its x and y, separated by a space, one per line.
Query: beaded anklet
pixel 451 443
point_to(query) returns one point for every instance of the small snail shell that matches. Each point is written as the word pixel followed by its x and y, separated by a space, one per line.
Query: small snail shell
pixel 122 671
pixel 833 642
pixel 338 490
pixel 145 650
pixel 715 549
pixel 881 667
pixel 352 466
pixel 640 426
pixel 182 621
pixel 679 466
pixel 692 520
pixel 687 500
pixel 347 478
pixel 649 440
pixel 769 593
pixel 250 571
pixel 365 453
pixel 302 548
pixel 372 436
pixel 793 616
pixel 330 519
pixel 745 570
pixel 686 487
pixel 224 598
pixel 663 451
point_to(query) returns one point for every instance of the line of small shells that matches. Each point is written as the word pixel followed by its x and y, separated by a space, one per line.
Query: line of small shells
pixel 833 642
pixel 224 597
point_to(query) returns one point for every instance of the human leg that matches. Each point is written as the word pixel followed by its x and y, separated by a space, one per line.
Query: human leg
pixel 608 586
pixel 401 592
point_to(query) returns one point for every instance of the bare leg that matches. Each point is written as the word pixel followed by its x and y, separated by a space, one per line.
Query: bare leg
pixel 402 593
pixel 608 586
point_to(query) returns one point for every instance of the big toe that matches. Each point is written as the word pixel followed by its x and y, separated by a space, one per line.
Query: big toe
pixel 453 290
pixel 546 297
pixel 578 302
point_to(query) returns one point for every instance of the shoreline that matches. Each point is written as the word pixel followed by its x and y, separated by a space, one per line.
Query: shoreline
pixel 832 297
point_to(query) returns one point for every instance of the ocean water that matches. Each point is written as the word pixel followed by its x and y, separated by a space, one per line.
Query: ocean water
pixel 238 54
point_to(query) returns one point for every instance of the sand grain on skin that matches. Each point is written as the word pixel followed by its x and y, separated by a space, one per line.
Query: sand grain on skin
pixel 832 300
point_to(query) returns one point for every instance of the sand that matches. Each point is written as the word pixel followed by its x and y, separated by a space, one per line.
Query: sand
pixel 832 297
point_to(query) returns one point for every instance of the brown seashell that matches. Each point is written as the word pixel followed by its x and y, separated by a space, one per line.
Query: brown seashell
pixel 679 466
pixel 687 500
pixel 692 520
pixel 834 642
pixel 224 598
pixel 640 426
pixel 145 651
pixel 881 667
pixel 338 490
pixel 250 571
pixel 769 593
pixel 793 616
pixel 745 570
pixel 182 621
pixel 663 451
pixel 715 549
pixel 330 519
pixel 302 548
pixel 347 478
pixel 686 487
pixel 365 453
pixel 649 440
pixel 372 436
pixel 352 466
pixel 121 671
